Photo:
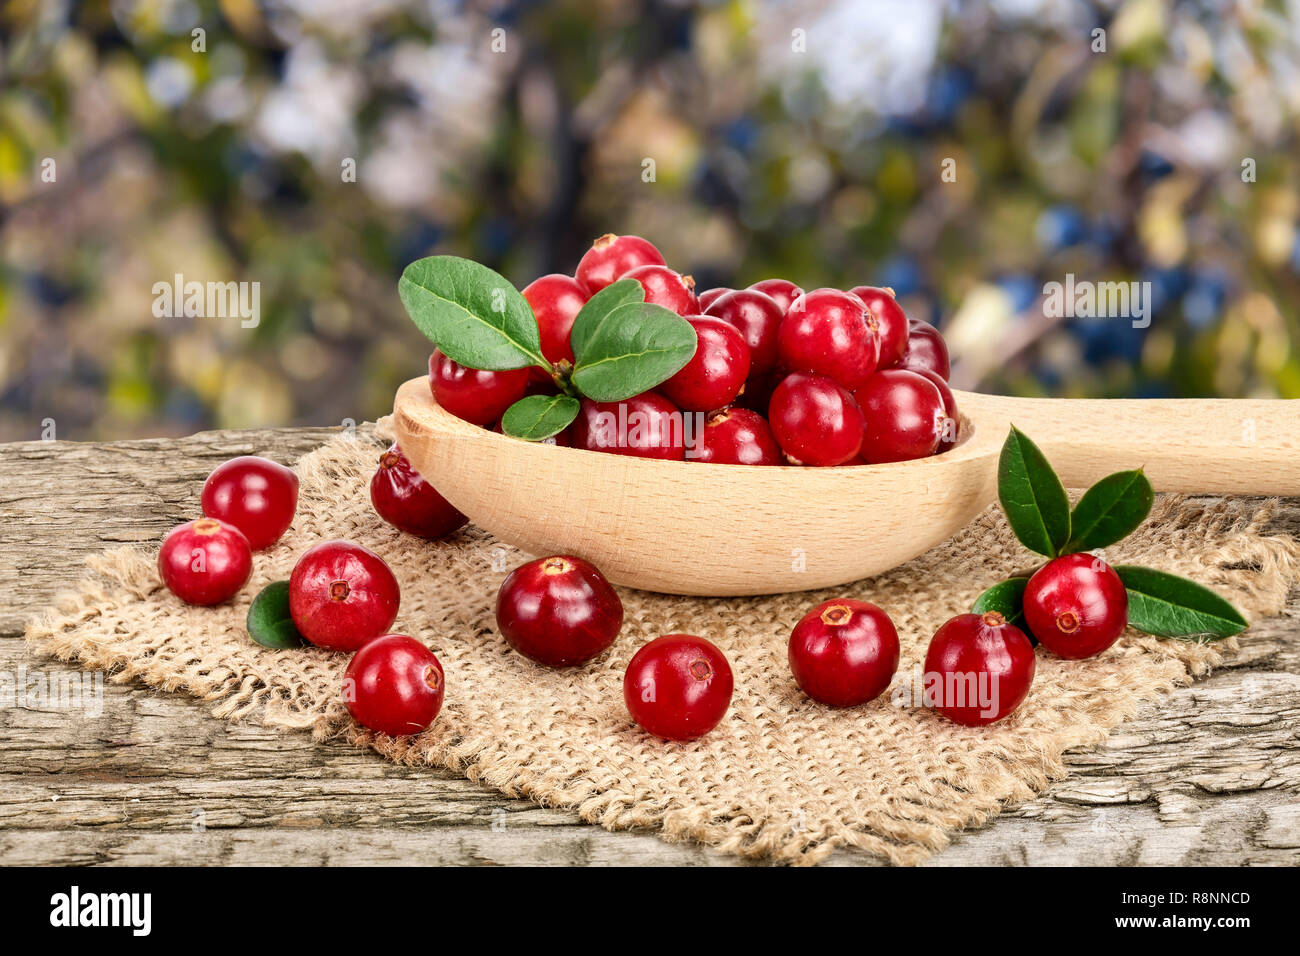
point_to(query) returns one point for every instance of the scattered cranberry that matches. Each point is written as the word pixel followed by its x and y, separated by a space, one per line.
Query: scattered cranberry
pixel 758 317
pixel 678 687
pixel 716 372
pixel 738 436
pixel 826 332
pixel 611 257
pixel 709 296
pixel 902 417
pixel 409 503
pixel 646 426
pixel 556 301
pixel 1076 606
pixel 892 321
pixel 394 685
pixel 558 611
pixel 815 420
pixel 256 495
pixel 950 430
pixel 342 595
pixel 205 561
pixel 844 653
pixel 782 290
pixel 978 656
pixel 476 396
pixel 665 287
pixel 925 349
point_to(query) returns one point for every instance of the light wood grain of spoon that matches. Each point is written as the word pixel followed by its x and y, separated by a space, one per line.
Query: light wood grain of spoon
pixel 695 528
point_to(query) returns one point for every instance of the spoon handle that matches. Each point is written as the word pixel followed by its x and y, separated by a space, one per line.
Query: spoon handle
pixel 1227 446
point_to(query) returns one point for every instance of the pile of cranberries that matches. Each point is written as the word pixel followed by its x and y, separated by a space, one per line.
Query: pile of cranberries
pixel 342 596
pixel 825 377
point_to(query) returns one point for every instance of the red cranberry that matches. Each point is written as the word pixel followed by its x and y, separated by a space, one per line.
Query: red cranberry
pixel 815 420
pixel 558 611
pixel 476 396
pixel 205 561
pixel 408 502
pixel 951 426
pixel 665 287
pixel 256 495
pixel 925 349
pixel 891 321
pixel 844 653
pixel 978 668
pixel 782 290
pixel 716 372
pixel 1076 606
pixel 394 685
pixel 738 436
pixel 342 595
pixel 758 317
pixel 827 332
pixel 556 301
pixel 646 426
pixel 611 257
pixel 709 296
pixel 678 687
pixel 902 417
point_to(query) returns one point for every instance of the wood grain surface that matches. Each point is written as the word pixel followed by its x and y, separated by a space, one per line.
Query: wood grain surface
pixel 1210 775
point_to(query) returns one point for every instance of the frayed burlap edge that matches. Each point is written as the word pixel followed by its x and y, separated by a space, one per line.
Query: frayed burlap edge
pixel 1254 568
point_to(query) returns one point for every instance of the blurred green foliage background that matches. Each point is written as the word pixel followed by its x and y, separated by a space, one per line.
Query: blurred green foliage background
pixel 803 139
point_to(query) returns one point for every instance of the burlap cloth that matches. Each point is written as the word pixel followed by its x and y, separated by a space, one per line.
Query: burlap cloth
pixel 782 777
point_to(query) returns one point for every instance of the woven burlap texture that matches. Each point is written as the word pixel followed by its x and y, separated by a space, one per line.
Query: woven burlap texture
pixel 781 778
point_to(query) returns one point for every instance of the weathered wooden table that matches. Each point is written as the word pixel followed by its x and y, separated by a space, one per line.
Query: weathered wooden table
pixel 1209 776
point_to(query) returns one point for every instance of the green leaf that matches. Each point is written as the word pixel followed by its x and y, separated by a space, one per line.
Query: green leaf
pixel 269 623
pixel 536 417
pixel 1171 606
pixel 471 313
pixel 592 315
pixel 636 347
pixel 1032 497
pixel 1110 510
pixel 1007 598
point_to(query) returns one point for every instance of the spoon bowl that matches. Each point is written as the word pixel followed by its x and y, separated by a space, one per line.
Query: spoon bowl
pixel 707 529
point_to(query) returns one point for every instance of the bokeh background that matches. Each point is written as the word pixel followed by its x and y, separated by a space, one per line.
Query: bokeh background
pixel 803 139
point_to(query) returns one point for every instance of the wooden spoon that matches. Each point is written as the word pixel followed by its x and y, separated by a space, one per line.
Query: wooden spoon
pixel 694 528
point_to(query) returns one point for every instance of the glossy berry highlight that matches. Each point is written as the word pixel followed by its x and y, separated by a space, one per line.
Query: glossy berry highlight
pixel 978 669
pixel 716 372
pixel 844 652
pixel 403 498
pixel 738 436
pixel 556 300
pixel 782 291
pixel 256 495
pixel 891 322
pixel 663 286
pixel 757 317
pixel 559 611
pixel 925 349
pixel 205 562
pixel 477 396
pixel 342 595
pixel 678 687
pixel 394 685
pixel 903 417
pixel 815 420
pixel 829 333
pixel 611 257
pixel 1076 606
pixel 644 426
